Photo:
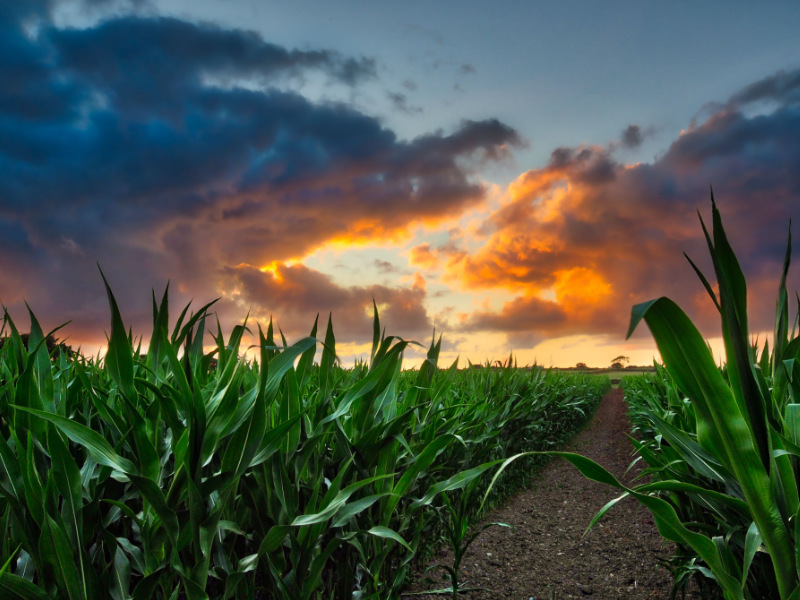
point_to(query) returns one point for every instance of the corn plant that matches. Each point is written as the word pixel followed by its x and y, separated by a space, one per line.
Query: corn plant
pixel 725 450
pixel 460 536
pixel 178 472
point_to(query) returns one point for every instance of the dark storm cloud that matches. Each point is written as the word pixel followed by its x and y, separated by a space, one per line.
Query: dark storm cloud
pixel 598 236
pixel 782 87
pixel 148 58
pixel 632 136
pixel 170 150
pixel 589 164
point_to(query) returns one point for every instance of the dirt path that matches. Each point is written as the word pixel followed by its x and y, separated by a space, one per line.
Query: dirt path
pixel 546 556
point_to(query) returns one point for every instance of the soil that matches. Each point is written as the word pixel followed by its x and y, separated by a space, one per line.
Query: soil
pixel 546 555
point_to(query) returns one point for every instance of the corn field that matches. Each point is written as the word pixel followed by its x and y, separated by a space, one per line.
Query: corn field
pixel 178 472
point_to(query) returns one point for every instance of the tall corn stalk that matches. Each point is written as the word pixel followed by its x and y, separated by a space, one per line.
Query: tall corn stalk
pixel 745 438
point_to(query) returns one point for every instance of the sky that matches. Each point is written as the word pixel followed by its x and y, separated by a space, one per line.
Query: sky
pixel 513 175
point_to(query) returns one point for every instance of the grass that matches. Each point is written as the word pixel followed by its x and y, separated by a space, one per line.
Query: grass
pixel 616 376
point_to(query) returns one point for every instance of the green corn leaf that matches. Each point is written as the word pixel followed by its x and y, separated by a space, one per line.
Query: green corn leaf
pixel 13 587
pixel 338 502
pixel 96 444
pixel 272 441
pixel 376 331
pixel 327 361
pixel 283 487
pixel 797 541
pixel 27 394
pixel 221 409
pixel 68 481
pixel 274 538
pixel 247 440
pixel 7 564
pixel 215 484
pixel 17 347
pixel 55 552
pixel 120 576
pixel 42 367
pixel 705 282
pixel 10 477
pixel 733 300
pixel 721 428
pixel 160 329
pixel 456 482
pixel 727 558
pixel 792 422
pixel 151 492
pixel 139 437
pixel 363 387
pixel 283 362
pixel 422 462
pixel 386 533
pixel 712 496
pixel 146 588
pixel 181 331
pixel 34 490
pixel 351 509
pixel 290 406
pixel 751 546
pixel 694 454
pixel 134 553
pixel 307 358
pixel 193 590
pixel 119 357
pixel 497 474
pixel 606 507
pixel 689 362
pixel 313 579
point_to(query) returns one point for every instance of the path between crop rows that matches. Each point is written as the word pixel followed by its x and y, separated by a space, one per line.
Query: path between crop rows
pixel 546 555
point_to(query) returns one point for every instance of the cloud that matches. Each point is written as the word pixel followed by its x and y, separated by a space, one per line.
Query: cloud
pixel 467 69
pixel 782 87
pixel 586 237
pixel 632 136
pixel 166 149
pixel 172 55
pixel 385 267
pixel 294 294
pixel 524 313
pixel 170 150
pixel 400 102
pixel 423 256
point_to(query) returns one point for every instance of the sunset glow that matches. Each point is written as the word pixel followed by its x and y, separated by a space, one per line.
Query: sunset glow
pixel 513 205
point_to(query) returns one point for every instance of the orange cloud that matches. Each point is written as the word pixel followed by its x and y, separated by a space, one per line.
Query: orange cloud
pixel 294 294
pixel 424 257
pixel 579 287
pixel 586 237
